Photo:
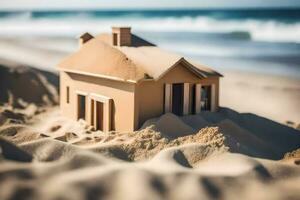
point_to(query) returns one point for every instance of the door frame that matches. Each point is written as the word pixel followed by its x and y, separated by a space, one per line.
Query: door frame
pixel 107 103
pixel 198 96
pixel 81 93
pixel 168 97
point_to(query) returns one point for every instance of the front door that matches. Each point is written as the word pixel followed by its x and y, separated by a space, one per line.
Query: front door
pixel 177 98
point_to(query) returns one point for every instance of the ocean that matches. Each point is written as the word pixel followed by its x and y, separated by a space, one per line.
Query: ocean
pixel 256 40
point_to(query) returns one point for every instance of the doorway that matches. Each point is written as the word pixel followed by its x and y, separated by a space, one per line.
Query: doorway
pixel 177 98
pixel 100 112
pixel 192 100
pixel 81 107
pixel 99 115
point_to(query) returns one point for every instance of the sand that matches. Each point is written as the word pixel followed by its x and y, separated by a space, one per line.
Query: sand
pixel 57 158
pixel 222 155
pixel 274 97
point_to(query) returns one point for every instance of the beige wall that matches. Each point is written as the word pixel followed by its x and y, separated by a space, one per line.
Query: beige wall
pixel 132 104
pixel 122 95
pixel 150 94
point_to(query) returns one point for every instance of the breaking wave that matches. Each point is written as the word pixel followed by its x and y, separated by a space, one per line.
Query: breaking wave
pixel 69 24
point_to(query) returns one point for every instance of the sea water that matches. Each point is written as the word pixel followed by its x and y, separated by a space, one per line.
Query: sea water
pixel 256 40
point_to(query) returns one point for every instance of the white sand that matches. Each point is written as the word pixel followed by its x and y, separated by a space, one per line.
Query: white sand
pixel 276 98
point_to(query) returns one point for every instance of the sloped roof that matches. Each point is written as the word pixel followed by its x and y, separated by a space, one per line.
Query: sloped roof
pixel 98 57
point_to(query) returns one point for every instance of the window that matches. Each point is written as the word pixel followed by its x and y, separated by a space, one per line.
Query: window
pixel 81 107
pixel 206 97
pixel 115 39
pixel 68 94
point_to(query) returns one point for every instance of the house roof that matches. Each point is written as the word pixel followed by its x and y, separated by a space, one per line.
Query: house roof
pixel 136 41
pixel 143 60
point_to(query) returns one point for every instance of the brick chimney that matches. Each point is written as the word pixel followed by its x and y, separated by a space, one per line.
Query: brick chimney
pixel 121 36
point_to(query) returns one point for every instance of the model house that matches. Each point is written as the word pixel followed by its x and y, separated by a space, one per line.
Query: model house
pixel 116 81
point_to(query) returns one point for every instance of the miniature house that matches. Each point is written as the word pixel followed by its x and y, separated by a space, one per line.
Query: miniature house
pixel 117 81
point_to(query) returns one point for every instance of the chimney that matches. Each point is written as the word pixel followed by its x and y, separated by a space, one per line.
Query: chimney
pixel 85 38
pixel 121 36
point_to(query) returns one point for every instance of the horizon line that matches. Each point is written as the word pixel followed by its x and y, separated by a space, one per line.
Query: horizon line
pixel 149 9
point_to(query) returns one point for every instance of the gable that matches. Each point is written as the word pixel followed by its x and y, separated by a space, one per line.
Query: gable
pixel 183 70
pixel 179 73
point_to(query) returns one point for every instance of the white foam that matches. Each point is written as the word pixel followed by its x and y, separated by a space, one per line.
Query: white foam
pixel 267 30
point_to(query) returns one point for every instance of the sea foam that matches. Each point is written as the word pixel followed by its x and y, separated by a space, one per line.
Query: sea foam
pixel 71 25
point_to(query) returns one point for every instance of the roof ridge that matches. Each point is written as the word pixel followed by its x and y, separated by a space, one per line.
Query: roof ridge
pixel 99 57
pixel 132 63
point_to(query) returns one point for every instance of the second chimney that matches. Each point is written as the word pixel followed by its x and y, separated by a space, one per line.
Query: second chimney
pixel 121 36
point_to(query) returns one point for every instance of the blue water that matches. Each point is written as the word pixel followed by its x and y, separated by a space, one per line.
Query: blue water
pixel 259 40
pixel 287 15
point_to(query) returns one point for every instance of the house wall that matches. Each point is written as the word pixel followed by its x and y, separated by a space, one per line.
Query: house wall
pixel 122 95
pixel 150 94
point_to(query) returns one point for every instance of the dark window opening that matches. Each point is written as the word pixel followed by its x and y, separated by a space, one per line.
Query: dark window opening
pixel 115 39
pixel 68 94
pixel 81 107
pixel 193 99
pixel 177 98
pixel 206 97
pixel 92 112
pixel 99 118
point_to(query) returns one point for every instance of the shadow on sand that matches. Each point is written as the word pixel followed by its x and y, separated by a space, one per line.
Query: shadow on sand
pixel 257 136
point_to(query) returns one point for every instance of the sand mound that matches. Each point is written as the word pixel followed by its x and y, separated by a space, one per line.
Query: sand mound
pixel 64 171
pixel 172 126
pixel 195 121
pixel 146 143
pixel 132 146
pixel 243 141
pixel 8 116
pixel 41 87
pixel 149 122
pixel 76 162
pixel 282 138
pixel 295 155
pixel 146 148
pixel 11 152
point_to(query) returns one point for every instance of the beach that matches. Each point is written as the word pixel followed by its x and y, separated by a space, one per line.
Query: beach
pixel 208 156
pixel 247 149
pixel 273 97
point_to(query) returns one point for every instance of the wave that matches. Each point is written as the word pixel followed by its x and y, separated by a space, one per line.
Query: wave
pixel 287 15
pixel 258 30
